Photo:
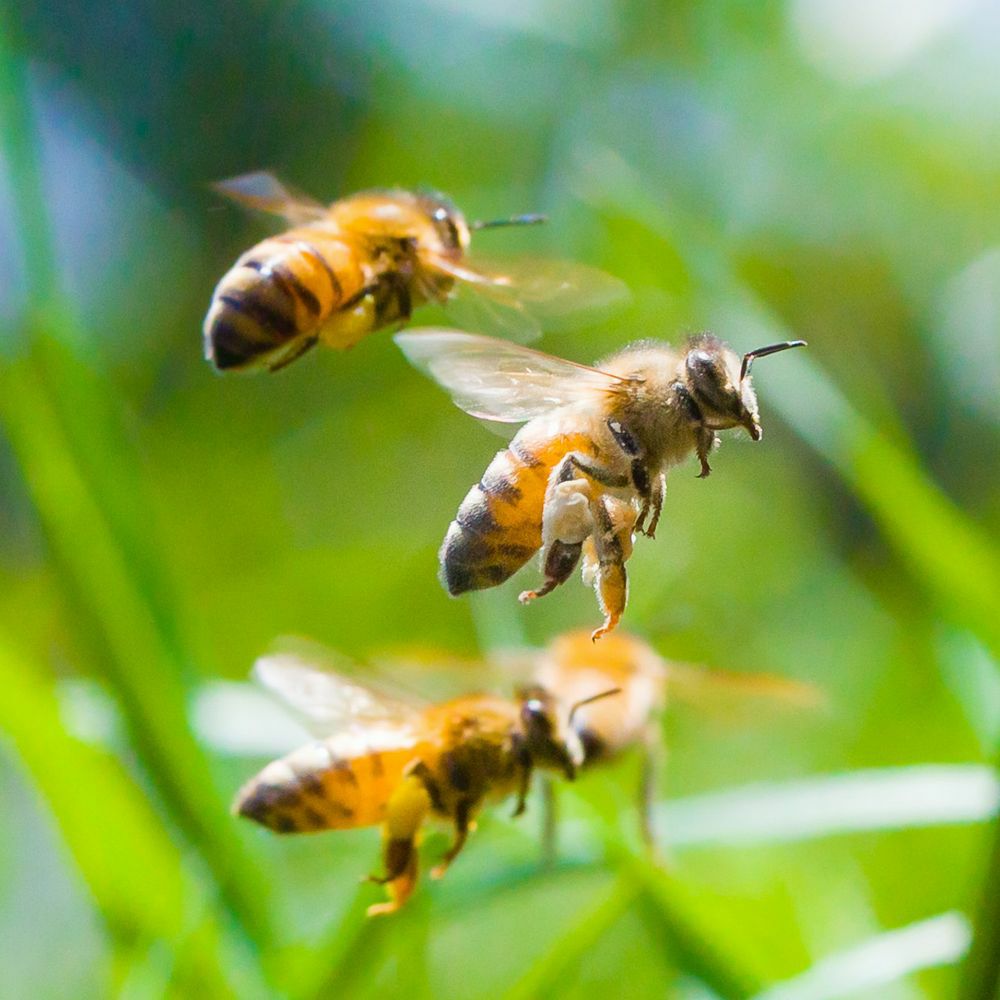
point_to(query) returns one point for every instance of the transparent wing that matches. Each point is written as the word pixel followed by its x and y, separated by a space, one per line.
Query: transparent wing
pixel 517 298
pixel 736 695
pixel 496 380
pixel 438 673
pixel 471 309
pixel 329 700
pixel 265 193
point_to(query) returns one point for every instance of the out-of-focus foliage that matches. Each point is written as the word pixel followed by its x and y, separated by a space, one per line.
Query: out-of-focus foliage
pixel 815 168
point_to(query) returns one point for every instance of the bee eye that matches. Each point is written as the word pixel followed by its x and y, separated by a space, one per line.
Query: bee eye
pixel 445 226
pixel 708 380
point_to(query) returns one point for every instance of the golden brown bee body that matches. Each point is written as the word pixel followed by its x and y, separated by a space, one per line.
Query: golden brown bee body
pixel 395 766
pixel 352 267
pixel 363 263
pixel 587 469
pixel 572 666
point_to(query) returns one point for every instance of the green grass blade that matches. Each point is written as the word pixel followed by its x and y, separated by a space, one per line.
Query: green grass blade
pixel 947 554
pixel 879 961
pixel 94 564
pixel 117 841
pixel 542 979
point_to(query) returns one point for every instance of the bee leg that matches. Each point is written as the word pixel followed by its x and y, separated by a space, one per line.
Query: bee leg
pixel 560 561
pixel 462 813
pixel 300 348
pixel 653 504
pixel 566 522
pixel 652 759
pixel 405 813
pixel 524 782
pixel 564 471
pixel 550 821
pixel 398 284
pixel 612 546
pixel 706 442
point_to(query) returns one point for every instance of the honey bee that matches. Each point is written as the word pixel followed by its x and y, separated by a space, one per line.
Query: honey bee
pixel 587 470
pixel 394 764
pixel 572 665
pixel 363 263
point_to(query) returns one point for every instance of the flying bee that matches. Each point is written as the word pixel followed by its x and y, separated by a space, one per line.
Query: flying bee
pixel 587 470
pixel 572 665
pixel 395 764
pixel 363 263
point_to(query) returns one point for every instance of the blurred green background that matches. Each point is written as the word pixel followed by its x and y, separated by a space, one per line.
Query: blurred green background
pixel 825 169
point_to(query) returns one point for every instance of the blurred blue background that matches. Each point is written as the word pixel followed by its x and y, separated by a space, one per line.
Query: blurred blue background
pixel 824 169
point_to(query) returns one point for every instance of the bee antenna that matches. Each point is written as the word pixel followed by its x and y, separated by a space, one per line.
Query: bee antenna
pixel 515 220
pixel 763 352
pixel 592 698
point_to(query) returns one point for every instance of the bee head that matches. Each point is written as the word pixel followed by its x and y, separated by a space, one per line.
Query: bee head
pixel 448 222
pixel 719 383
pixel 548 743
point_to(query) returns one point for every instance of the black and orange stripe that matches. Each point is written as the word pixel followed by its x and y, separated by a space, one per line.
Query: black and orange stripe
pixel 498 527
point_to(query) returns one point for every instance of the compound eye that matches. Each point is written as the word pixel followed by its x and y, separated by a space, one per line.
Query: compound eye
pixel 445 226
pixel 701 363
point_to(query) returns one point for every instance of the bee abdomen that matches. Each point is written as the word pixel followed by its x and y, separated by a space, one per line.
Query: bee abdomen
pixel 498 525
pixel 312 789
pixel 279 292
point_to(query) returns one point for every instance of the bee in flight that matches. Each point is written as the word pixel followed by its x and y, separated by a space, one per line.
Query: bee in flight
pixel 571 666
pixel 363 263
pixel 394 764
pixel 587 469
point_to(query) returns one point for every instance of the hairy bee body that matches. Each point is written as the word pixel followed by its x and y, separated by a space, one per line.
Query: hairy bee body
pixel 572 665
pixel 587 471
pixel 332 784
pixel 343 782
pixel 500 523
pixel 397 769
pixel 355 268
pixel 498 527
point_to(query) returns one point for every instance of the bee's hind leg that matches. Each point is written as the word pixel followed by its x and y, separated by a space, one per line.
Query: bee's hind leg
pixel 614 521
pixel 560 561
pixel 566 522
pixel 405 814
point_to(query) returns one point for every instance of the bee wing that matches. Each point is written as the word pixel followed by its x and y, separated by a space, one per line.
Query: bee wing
pixel 328 700
pixel 517 298
pixel 470 308
pixel 496 380
pixel 265 193
pixel 446 674
pixel 729 694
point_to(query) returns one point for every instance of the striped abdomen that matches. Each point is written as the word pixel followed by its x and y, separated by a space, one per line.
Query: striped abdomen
pixel 269 307
pixel 313 788
pixel 498 527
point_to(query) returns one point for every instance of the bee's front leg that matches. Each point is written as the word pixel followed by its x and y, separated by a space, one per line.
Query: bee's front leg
pixel 463 812
pixel 706 442
pixel 652 504
pixel 524 781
